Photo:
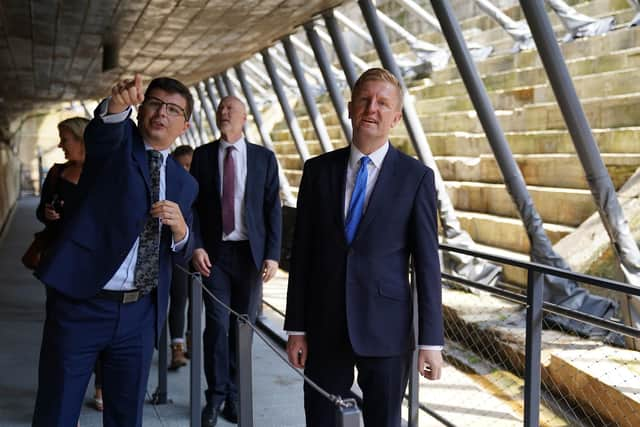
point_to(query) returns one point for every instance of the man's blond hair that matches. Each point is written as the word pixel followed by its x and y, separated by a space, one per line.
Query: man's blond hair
pixel 379 74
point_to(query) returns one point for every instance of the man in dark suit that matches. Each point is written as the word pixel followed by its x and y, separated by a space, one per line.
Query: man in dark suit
pixel 108 274
pixel 362 212
pixel 238 244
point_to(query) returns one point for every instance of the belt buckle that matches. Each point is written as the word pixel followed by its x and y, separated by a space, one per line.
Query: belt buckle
pixel 128 297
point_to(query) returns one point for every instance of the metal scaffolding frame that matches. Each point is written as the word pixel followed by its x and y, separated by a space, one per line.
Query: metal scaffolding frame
pixel 557 290
pixel 289 115
pixel 310 103
pixel 285 188
pixel 600 184
pixel 453 233
pixel 208 111
pixel 331 84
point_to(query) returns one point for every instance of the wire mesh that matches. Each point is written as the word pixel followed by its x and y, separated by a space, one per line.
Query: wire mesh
pixel 584 381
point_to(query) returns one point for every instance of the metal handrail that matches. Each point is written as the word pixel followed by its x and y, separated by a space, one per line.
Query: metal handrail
pixel 535 306
pixel 347 410
pixel 545 269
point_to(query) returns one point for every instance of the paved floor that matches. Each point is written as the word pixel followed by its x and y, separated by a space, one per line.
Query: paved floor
pixel 277 389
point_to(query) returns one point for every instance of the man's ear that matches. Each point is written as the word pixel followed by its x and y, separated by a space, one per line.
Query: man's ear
pixel 186 126
pixel 396 118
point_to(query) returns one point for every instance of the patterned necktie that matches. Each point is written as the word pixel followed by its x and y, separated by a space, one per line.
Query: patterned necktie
pixel 148 262
pixel 228 192
pixel 356 205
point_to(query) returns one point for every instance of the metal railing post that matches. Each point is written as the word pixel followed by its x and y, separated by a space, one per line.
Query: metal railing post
pixel 533 345
pixel 245 371
pixel 348 416
pixel 414 377
pixel 342 50
pixel 196 349
pixel 159 397
pixel 329 79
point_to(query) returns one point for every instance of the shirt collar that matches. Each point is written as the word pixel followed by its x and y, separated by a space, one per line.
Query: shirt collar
pixel 165 153
pixel 239 145
pixel 377 157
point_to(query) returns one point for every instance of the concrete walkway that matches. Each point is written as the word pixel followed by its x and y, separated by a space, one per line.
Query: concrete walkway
pixel 277 389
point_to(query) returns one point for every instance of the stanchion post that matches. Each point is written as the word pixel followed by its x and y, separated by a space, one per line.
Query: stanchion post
pixel 160 395
pixel 414 377
pixel 533 345
pixel 348 416
pixel 245 372
pixel 196 349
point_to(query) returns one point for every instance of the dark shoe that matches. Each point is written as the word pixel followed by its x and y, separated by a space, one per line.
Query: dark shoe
pixel 230 411
pixel 209 416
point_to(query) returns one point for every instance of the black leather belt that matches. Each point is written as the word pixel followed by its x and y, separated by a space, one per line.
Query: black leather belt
pixel 123 297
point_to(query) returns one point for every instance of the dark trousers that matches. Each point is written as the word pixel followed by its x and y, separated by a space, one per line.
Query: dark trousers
pixel 382 380
pixel 235 281
pixel 75 333
pixel 178 302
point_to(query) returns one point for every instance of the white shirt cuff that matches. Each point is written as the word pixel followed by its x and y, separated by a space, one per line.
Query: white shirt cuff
pixel 177 247
pixel 431 347
pixel 103 113
pixel 289 333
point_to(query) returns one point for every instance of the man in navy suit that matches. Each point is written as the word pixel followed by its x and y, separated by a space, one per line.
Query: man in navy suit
pixel 362 212
pixel 238 236
pixel 108 275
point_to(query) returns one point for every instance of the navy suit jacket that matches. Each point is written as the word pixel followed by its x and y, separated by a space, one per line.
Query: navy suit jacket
pixel 114 204
pixel 361 291
pixel 262 213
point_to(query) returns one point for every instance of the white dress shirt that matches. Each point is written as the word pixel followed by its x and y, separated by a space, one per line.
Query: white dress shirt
pixel 239 154
pixel 373 171
pixel 123 279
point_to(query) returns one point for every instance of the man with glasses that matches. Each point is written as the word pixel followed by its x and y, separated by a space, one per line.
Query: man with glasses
pixel 237 245
pixel 108 275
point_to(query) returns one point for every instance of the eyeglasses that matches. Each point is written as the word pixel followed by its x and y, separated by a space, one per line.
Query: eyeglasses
pixel 173 110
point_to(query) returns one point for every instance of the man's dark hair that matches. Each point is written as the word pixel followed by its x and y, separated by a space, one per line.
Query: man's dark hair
pixel 182 150
pixel 172 86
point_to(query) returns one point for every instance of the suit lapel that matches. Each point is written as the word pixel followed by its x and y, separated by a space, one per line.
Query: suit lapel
pixel 213 161
pixel 173 186
pixel 338 183
pixel 251 169
pixel 383 189
pixel 140 158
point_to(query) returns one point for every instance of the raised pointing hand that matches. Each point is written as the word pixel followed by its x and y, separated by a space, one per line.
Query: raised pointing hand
pixel 125 94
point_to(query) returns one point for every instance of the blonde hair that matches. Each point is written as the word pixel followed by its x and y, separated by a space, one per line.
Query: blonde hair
pixel 379 74
pixel 75 125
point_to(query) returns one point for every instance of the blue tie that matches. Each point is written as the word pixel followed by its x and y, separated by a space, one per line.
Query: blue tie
pixel 356 204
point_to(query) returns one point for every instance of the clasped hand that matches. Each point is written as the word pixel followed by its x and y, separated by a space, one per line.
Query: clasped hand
pixel 169 214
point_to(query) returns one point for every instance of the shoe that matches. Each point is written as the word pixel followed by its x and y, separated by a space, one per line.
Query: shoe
pixel 97 400
pixel 209 416
pixel 187 353
pixel 230 411
pixel 177 356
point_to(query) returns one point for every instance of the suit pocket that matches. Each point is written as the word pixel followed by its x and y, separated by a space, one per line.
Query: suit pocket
pixel 394 290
